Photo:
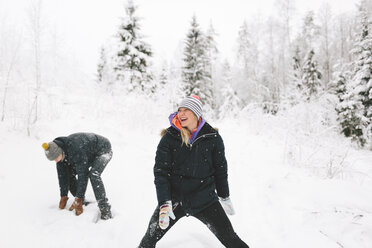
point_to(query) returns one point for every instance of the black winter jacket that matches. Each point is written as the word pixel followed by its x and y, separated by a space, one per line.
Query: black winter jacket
pixel 80 150
pixel 191 175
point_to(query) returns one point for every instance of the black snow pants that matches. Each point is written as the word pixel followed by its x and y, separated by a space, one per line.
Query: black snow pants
pixel 98 165
pixel 214 217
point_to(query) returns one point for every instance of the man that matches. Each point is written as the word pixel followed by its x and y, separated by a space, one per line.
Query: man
pixel 85 155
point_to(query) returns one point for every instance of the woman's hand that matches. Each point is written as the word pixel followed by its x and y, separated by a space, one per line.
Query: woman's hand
pixel 227 205
pixel 164 214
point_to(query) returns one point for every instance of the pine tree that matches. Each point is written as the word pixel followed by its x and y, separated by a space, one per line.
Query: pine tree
pixel 310 32
pixel 361 81
pixel 163 78
pixel 247 58
pixel 339 85
pixel 247 52
pixel 104 73
pixel 349 114
pixel 231 102
pixel 196 78
pixel 311 77
pixel 132 58
pixel 211 49
pixel 294 88
pixel 101 66
pixel 296 67
pixel 211 54
pixel 348 110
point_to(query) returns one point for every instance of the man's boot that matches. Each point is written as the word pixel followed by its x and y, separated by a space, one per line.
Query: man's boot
pixel 106 213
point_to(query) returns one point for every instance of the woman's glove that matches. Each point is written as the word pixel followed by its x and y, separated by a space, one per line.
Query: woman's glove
pixel 164 214
pixel 63 202
pixel 227 205
pixel 78 206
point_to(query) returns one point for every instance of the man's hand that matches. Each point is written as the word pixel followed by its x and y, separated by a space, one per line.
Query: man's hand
pixel 63 202
pixel 164 214
pixel 78 206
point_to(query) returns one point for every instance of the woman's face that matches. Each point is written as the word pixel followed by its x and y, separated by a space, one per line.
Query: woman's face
pixel 187 118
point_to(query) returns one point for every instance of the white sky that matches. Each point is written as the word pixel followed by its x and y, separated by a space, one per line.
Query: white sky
pixel 84 25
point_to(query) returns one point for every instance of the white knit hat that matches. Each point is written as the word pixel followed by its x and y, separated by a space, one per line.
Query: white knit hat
pixel 194 104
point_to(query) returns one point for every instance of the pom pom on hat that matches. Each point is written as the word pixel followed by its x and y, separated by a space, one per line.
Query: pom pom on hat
pixel 195 96
pixel 194 104
pixel 45 146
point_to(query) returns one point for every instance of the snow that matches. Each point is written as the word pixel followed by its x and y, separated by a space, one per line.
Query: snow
pixel 279 173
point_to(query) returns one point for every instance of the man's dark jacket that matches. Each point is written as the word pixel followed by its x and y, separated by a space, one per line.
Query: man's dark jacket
pixel 191 175
pixel 80 150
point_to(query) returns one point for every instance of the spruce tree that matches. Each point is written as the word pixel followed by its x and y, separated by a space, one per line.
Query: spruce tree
pixel 361 81
pixel 196 77
pixel 104 70
pixel 348 110
pixel 133 55
pixel 247 52
pixel 309 34
pixel 231 103
pixel 296 67
pixel 211 50
pixel 211 54
pixel 102 65
pixel 247 59
pixel 293 89
pixel 349 115
pixel 311 77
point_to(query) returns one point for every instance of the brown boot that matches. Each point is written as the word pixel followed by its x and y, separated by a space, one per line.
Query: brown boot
pixel 78 206
pixel 63 202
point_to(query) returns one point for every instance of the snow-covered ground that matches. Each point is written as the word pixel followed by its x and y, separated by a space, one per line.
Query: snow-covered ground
pixel 292 184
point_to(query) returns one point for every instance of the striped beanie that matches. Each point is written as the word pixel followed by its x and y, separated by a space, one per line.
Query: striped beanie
pixel 194 104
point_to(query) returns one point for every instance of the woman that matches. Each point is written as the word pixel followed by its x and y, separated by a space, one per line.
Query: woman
pixel 190 177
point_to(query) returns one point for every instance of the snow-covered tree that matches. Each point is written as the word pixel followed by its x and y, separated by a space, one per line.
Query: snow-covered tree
pixel 231 103
pixel 163 77
pixel 248 64
pixel 292 90
pixel 36 34
pixel 311 77
pixel 162 86
pixel 247 52
pixel 270 69
pixel 104 70
pixel 361 81
pixel 196 76
pixel 309 34
pixel 296 74
pixel 211 49
pixel 325 33
pixel 211 56
pixel 349 112
pixel 284 13
pixel 133 55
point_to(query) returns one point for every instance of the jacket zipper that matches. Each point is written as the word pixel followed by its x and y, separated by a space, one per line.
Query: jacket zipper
pixel 203 136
